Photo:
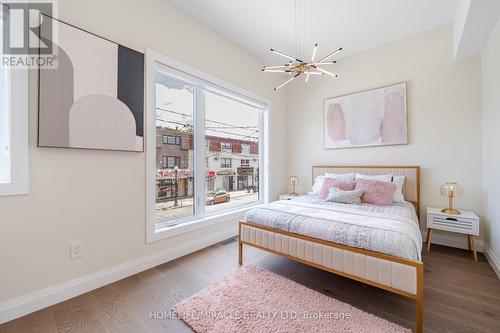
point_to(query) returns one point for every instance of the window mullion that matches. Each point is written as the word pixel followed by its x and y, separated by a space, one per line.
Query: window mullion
pixel 199 151
pixel 263 158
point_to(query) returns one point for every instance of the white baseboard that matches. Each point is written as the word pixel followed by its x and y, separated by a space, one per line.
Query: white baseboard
pixel 492 259
pixel 43 298
pixel 452 240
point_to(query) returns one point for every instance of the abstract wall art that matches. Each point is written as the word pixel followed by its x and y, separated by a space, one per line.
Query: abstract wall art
pixel 376 117
pixel 94 99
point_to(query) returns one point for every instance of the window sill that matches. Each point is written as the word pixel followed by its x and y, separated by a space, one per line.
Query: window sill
pixel 210 220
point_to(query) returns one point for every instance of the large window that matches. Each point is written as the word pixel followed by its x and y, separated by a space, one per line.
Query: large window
pixel 13 127
pixel 216 164
pixel 4 127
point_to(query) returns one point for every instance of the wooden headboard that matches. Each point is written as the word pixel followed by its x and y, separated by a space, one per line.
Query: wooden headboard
pixel 411 188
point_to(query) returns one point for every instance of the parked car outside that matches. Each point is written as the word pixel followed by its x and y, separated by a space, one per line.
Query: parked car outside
pixel 251 189
pixel 218 197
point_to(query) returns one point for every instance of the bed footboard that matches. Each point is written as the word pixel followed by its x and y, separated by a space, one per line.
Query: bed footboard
pixel 397 275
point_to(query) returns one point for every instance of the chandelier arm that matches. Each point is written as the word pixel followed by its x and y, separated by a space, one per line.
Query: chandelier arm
pixel 286 82
pixel 307 76
pixel 314 52
pixel 276 70
pixel 321 63
pixel 331 54
pixel 275 66
pixel 326 72
pixel 285 55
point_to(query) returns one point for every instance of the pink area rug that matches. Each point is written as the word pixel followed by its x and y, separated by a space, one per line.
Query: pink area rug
pixel 255 300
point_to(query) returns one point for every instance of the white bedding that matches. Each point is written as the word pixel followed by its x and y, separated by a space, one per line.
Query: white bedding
pixel 390 229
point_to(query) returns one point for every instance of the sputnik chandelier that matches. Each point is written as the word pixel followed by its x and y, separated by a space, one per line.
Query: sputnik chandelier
pixel 297 67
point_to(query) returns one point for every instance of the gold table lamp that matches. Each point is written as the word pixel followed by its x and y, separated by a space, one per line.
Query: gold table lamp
pixel 451 190
pixel 294 180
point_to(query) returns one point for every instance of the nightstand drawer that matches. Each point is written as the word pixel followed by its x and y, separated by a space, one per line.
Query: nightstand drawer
pixel 455 224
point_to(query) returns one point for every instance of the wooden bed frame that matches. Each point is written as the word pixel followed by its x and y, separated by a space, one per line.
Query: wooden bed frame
pixel 398 275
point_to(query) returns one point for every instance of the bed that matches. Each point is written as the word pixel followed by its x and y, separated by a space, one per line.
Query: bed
pixel 379 246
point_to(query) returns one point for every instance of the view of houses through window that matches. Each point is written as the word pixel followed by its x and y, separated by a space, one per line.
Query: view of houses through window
pixel 231 155
pixel 174 149
pixel 230 126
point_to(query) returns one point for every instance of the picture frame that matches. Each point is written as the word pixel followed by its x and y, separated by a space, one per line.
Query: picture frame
pixel 94 98
pixel 375 117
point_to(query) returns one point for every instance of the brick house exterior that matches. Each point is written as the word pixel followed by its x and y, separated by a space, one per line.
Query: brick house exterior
pixel 231 164
pixel 179 150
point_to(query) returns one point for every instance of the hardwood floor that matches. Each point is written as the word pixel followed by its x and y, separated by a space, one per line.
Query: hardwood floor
pixel 460 295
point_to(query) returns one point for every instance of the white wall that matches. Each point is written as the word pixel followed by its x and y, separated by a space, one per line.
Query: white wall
pixel 444 101
pixel 490 140
pixel 99 196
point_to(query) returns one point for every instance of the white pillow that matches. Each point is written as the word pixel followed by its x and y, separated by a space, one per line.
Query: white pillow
pixel 382 178
pixel 318 181
pixel 343 177
pixel 398 194
pixel 318 185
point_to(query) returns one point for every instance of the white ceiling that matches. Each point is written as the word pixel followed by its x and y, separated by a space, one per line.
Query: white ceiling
pixel 355 25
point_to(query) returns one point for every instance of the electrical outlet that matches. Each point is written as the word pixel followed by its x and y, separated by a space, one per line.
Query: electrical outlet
pixel 77 249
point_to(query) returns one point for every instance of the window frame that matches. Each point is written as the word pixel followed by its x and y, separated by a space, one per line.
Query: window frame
pixel 205 82
pixel 244 149
pixel 225 165
pixel 176 138
pixel 176 159
pixel 226 146
pixel 17 90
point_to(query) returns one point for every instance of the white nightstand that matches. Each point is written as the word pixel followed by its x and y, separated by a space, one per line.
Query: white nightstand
pixel 287 196
pixel 466 223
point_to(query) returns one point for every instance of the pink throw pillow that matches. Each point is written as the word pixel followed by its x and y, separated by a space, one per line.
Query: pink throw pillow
pixel 376 192
pixel 332 182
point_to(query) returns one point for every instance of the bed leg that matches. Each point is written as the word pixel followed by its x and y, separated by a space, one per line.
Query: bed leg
pixel 420 299
pixel 240 246
pixel 240 253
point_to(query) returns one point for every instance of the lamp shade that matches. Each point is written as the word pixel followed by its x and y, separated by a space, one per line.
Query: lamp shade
pixel 451 189
pixel 294 180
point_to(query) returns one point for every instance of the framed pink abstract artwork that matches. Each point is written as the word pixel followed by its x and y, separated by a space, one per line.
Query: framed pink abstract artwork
pixel 375 117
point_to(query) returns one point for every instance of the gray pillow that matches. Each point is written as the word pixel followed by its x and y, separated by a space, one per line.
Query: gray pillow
pixel 347 197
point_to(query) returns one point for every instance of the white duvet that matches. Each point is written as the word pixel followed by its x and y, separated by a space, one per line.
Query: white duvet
pixel 391 229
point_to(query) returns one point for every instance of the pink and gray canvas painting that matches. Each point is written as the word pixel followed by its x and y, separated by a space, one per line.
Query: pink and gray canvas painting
pixel 94 99
pixel 371 118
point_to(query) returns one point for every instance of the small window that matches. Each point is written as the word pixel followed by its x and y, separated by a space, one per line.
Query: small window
pixel 245 163
pixel 245 148
pixel 226 146
pixel 171 140
pixel 173 161
pixel 225 163
pixel 170 162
